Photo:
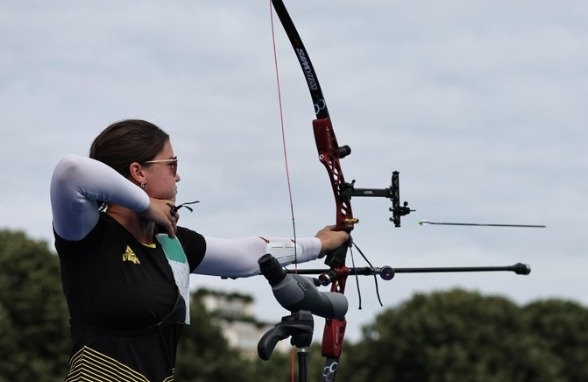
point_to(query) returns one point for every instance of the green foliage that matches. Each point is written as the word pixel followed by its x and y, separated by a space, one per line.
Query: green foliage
pixel 459 335
pixel 33 315
pixel 563 326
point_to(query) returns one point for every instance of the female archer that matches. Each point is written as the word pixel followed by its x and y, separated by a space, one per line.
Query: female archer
pixel 125 263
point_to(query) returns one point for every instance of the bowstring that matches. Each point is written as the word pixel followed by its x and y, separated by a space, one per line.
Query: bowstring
pixel 286 165
pixel 283 132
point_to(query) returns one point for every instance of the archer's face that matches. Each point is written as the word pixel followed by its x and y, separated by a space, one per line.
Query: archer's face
pixel 161 174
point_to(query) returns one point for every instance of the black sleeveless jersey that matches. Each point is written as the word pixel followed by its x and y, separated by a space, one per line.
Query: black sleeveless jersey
pixel 122 298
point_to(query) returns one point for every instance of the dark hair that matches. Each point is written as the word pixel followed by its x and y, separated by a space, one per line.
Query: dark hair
pixel 128 141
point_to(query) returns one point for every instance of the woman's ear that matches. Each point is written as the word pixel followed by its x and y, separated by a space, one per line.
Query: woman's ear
pixel 136 174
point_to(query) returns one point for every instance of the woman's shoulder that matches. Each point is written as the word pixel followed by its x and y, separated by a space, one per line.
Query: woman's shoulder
pixel 194 245
pixel 104 227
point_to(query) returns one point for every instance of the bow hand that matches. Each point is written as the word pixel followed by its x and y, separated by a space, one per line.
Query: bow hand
pixel 331 239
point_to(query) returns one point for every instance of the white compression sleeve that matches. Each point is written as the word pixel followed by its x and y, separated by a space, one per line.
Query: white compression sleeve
pixel 238 257
pixel 77 183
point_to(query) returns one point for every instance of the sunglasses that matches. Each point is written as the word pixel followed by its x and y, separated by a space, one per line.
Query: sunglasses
pixel 173 163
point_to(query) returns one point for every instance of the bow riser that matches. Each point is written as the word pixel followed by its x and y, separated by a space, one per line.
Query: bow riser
pixel 329 155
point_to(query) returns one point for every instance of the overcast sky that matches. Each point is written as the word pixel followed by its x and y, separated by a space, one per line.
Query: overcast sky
pixel 481 106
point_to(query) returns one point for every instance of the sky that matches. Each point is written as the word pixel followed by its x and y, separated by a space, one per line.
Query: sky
pixel 479 105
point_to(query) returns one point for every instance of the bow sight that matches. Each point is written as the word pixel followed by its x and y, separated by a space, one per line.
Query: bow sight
pixel 330 154
pixel 393 193
pixel 347 190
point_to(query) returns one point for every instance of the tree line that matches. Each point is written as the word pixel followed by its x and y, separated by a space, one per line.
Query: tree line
pixel 454 335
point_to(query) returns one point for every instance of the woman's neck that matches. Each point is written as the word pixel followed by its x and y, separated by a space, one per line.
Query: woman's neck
pixel 141 229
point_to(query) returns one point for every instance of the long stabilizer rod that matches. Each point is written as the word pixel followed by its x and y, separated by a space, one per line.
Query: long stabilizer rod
pixel 387 272
pixel 518 268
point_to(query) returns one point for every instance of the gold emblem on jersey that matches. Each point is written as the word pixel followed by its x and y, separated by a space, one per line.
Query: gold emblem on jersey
pixel 129 255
